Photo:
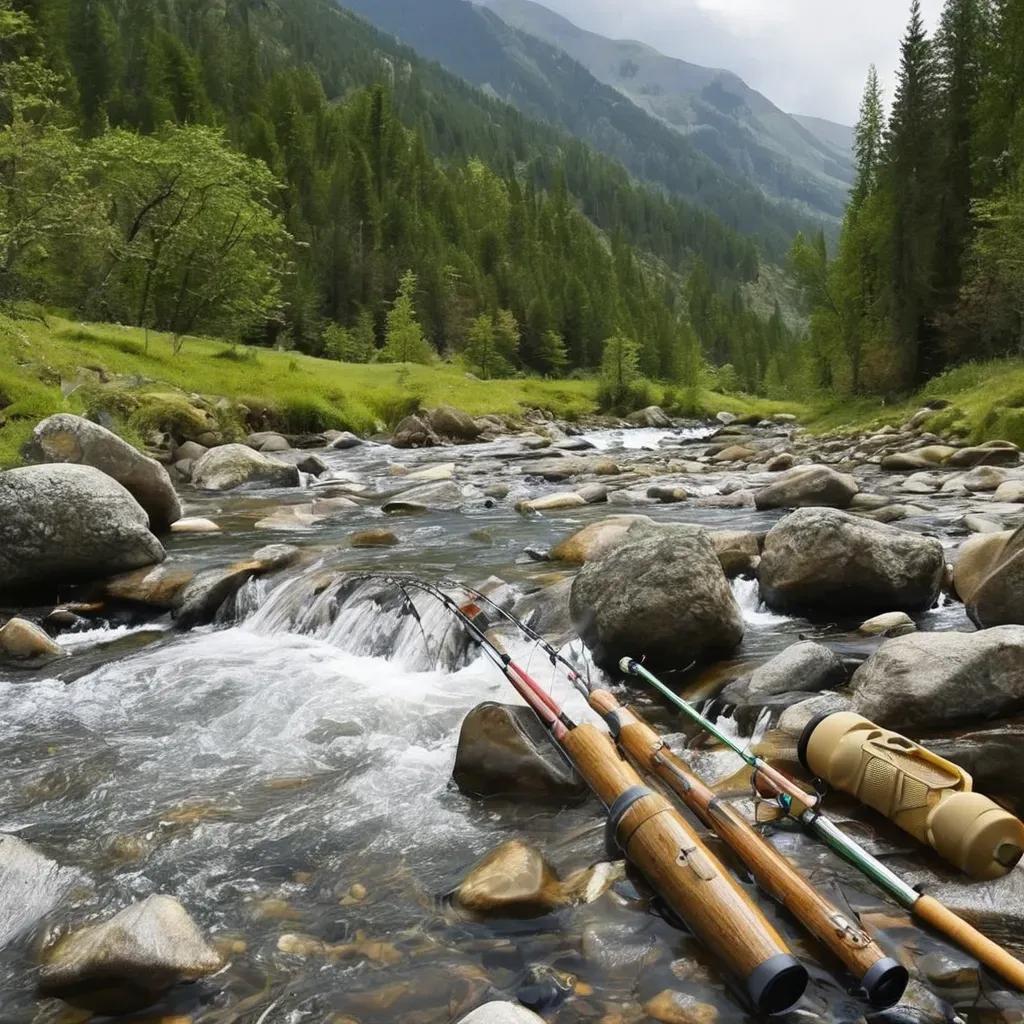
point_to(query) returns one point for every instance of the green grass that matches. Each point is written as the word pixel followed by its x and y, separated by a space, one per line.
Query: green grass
pixel 110 369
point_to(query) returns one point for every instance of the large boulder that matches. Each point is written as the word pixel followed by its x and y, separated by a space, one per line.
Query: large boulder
pixel 997 599
pixel 807 487
pixel 661 595
pixel 31 885
pixel 237 465
pixel 547 612
pixel 66 438
pixel 995 453
pixel 63 522
pixel 595 539
pixel 128 962
pixel 930 680
pixel 453 424
pixel 826 562
pixel 504 752
pixel 976 558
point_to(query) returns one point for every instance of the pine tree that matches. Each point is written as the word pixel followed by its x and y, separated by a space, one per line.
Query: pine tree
pixel 620 370
pixel 868 140
pixel 405 342
pixel 958 45
pixel 552 357
pixel 911 159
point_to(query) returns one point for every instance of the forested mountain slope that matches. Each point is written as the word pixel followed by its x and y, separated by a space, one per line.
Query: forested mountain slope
pixel 733 124
pixel 283 173
pixel 544 82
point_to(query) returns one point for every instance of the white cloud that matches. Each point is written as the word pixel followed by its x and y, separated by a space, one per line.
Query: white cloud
pixel 807 56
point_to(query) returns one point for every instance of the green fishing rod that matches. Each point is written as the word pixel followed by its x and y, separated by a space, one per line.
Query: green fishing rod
pixel 805 807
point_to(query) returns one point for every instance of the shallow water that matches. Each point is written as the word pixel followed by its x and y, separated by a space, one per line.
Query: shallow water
pixel 258 771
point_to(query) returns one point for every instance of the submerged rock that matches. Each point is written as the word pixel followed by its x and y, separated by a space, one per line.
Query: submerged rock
pixel 512 881
pixel 553 503
pixel 72 439
pixel 237 465
pixel 128 962
pixel 31 885
pixel 504 752
pixel 201 599
pixel 661 595
pixel 444 496
pixel 25 641
pixel 60 523
pixel 826 562
pixel 808 486
pixel 501 1013
pixel 938 679
pixel 374 539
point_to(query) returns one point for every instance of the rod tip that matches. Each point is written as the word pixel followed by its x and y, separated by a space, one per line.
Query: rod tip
pixel 777 984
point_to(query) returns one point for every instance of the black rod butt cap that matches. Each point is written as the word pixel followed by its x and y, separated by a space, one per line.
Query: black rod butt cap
pixel 805 737
pixel 777 984
pixel 885 982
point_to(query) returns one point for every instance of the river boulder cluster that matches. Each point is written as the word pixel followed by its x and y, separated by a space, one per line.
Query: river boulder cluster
pixel 249 779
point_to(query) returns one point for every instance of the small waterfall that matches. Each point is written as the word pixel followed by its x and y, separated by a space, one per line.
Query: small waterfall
pixel 365 617
pixel 755 611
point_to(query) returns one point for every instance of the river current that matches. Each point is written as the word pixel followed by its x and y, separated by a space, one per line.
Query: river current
pixel 289 774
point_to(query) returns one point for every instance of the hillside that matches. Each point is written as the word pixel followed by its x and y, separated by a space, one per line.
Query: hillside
pixel 732 124
pixel 544 83
pixel 838 136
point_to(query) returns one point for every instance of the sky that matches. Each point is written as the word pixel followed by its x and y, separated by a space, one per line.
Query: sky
pixel 807 56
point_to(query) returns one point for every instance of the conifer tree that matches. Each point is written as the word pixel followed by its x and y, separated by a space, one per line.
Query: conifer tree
pixel 405 342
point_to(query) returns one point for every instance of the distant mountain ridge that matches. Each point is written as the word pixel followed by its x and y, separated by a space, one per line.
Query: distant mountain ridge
pixel 803 160
pixel 546 84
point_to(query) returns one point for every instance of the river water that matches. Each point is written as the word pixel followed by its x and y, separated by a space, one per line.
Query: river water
pixel 258 770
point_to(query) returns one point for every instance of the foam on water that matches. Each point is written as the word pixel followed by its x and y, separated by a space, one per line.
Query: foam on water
pixel 642 437
pixel 755 612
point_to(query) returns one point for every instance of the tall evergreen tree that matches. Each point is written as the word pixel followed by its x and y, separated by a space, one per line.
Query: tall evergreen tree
pixel 911 158
pixel 958 45
pixel 868 141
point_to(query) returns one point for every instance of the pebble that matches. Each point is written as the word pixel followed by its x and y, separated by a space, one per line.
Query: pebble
pixel 195 526
pixel 374 539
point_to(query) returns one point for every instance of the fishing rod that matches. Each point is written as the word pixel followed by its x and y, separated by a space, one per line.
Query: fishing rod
pixel 651 833
pixel 805 807
pixel 882 979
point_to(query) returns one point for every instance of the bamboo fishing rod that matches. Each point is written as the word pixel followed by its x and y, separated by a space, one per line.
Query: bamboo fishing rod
pixel 805 807
pixel 882 979
pixel 654 836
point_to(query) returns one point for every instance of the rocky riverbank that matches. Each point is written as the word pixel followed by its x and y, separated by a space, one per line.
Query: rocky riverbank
pixel 198 600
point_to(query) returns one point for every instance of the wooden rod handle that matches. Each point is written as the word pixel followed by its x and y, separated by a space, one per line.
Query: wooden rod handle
pixel 969 939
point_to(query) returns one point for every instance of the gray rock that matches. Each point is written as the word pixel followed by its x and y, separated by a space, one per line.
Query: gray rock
pixel 668 495
pixel 71 439
pixel 547 612
pixel 273 443
pixel 661 594
pixel 275 557
pixel 922 483
pixel 60 523
pixel 444 496
pixel 345 441
pixel 414 432
pixel 593 494
pixel 504 752
pixel 202 597
pixel 1011 492
pixel 305 462
pixel 237 465
pixel 781 462
pixel 128 962
pixel 827 562
pixel 795 719
pixel 985 456
pixel 726 418
pixel 939 679
pixel 31 885
pixel 979 524
pixel 501 1013
pixel 190 451
pixel 993 754
pixel 809 486
pixel 983 479
pixel 453 424
pixel 882 625
pixel 653 416
pixel 803 666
